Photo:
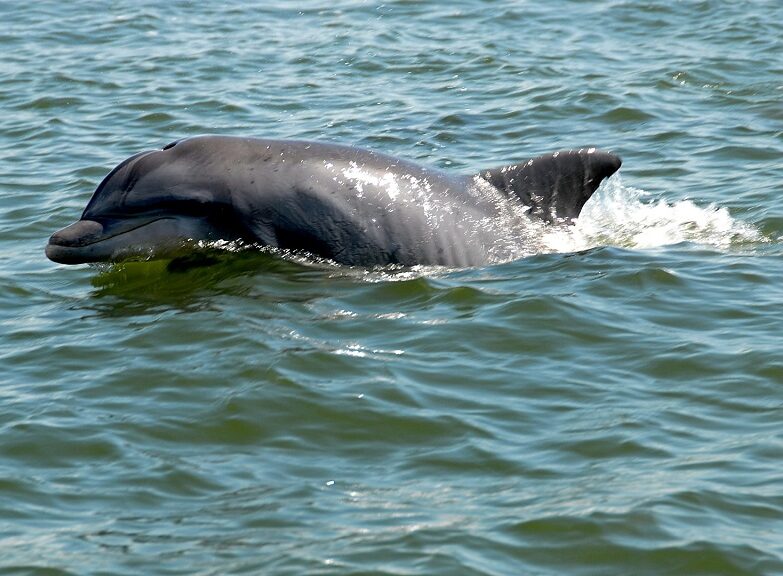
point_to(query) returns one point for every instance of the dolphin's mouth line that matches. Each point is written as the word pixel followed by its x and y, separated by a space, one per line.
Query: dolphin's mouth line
pixel 114 235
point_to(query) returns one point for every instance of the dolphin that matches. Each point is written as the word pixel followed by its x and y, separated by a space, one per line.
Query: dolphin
pixel 350 205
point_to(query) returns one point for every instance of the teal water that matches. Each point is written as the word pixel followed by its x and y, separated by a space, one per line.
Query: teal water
pixel 611 403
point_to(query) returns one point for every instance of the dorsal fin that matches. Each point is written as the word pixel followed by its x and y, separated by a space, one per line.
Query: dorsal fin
pixel 556 185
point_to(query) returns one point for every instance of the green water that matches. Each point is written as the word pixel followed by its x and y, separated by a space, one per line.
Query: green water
pixel 611 404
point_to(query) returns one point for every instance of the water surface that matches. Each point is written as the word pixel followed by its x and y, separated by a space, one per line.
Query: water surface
pixel 610 404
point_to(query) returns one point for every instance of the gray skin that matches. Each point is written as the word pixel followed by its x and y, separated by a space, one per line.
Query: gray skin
pixel 353 206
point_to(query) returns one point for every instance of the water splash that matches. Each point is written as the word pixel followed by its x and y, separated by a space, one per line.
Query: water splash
pixel 619 215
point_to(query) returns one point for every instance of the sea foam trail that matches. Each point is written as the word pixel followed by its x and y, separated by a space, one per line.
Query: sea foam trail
pixel 618 215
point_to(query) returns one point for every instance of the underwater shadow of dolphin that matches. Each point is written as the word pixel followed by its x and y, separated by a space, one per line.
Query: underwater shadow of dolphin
pixel 346 204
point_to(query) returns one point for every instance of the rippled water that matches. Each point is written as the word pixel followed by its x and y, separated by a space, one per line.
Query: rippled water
pixel 609 405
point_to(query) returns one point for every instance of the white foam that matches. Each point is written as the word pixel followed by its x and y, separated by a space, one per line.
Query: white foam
pixel 619 215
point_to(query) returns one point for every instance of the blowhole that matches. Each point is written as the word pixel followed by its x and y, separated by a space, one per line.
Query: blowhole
pixel 171 145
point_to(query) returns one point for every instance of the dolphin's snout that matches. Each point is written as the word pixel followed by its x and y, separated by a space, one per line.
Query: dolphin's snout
pixel 64 245
pixel 79 233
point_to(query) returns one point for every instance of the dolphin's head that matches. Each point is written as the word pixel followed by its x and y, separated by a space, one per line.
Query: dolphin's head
pixel 148 206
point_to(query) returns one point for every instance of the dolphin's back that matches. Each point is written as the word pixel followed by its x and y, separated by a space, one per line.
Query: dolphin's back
pixel 361 207
pixel 354 206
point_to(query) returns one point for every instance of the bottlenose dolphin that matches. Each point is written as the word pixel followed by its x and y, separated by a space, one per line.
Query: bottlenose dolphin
pixel 350 205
